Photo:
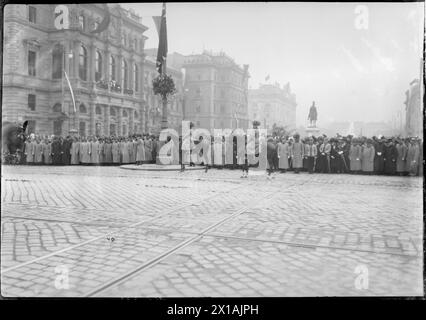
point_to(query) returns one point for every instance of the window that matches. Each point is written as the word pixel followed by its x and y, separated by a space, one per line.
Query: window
pixel 112 129
pixel 124 74
pixel 82 68
pixel 83 108
pixel 124 113
pixel 98 129
pixel 98 66
pixel 82 128
pixel 32 101
pixel 57 60
pixel 31 127
pixel 31 63
pixel 112 111
pixel 57 107
pixel 136 77
pixel 32 14
pixel 81 22
pixel 98 110
pixel 112 68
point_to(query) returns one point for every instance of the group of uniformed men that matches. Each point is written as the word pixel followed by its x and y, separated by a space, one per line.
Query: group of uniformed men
pixel 378 155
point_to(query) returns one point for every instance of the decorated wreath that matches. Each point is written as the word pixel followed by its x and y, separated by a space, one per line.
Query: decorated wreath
pixel 164 86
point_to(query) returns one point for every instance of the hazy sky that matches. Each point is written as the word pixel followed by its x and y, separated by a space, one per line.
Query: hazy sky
pixel 352 74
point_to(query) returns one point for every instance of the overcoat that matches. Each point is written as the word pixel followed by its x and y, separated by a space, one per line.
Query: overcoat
pixel 94 156
pixel 47 152
pixel 367 159
pixel 29 151
pixel 390 155
pixel 412 158
pixel 401 150
pixel 75 150
pixel 38 153
pixel 283 154
pixel 85 152
pixel 56 152
pixel 140 150
pixel 297 151
pixel 108 153
pixel 115 148
pixel 355 158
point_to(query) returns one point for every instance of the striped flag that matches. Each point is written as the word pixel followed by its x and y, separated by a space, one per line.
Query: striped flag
pixel 72 92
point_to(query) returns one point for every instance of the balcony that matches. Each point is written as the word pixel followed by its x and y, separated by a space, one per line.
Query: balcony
pixel 102 84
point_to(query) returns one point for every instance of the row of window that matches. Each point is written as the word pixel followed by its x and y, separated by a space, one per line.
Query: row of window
pixel 57 67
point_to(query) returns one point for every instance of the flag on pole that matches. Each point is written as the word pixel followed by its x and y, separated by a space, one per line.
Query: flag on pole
pixel 160 23
pixel 72 92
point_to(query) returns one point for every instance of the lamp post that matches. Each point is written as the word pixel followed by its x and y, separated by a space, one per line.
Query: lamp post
pixel 185 91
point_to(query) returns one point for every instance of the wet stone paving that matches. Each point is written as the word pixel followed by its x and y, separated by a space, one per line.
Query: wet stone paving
pixel 109 232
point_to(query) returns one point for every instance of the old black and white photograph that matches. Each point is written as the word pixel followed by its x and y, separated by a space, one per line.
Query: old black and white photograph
pixel 229 149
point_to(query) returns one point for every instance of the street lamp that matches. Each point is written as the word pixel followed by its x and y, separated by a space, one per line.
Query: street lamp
pixel 185 91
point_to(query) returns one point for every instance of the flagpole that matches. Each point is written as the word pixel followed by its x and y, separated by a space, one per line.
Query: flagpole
pixel 164 122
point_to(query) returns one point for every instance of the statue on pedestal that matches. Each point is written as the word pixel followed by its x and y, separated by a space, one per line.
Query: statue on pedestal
pixel 313 115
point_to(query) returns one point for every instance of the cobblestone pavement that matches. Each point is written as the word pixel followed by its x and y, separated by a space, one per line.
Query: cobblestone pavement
pixel 104 231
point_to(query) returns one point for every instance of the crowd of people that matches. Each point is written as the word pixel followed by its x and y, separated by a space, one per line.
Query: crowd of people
pixel 358 155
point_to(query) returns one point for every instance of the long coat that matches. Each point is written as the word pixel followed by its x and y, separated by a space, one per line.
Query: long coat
pixel 56 152
pixel 124 150
pixel 367 159
pixel 66 151
pixel 401 150
pixel 135 150
pixel 115 148
pixel 148 150
pixel 94 156
pixel 47 153
pixel 108 153
pixel 102 152
pixel 390 156
pixel 283 154
pixel 75 150
pixel 29 151
pixel 38 153
pixel 412 158
pixel 355 157
pixel 85 152
pixel 140 150
pixel 297 152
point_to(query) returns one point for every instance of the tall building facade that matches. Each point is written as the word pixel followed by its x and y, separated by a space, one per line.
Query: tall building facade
pixel 108 71
pixel 216 91
pixel 270 104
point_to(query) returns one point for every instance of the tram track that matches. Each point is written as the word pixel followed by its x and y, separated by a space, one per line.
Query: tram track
pixel 199 235
pixel 118 231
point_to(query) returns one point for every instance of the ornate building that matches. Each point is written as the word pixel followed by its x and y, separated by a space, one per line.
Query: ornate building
pixel 106 70
pixel 216 91
pixel 271 105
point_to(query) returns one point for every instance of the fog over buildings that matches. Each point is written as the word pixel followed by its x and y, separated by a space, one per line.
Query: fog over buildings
pixel 353 74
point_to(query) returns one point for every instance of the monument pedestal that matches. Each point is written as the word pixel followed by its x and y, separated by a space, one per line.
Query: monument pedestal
pixel 312 131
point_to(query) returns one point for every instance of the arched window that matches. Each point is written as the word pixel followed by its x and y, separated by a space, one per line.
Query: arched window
pixel 124 114
pixel 112 68
pixel 81 22
pixel 57 107
pixel 136 77
pixel 112 111
pixel 83 108
pixel 57 60
pixel 98 110
pixel 124 74
pixel 82 69
pixel 98 66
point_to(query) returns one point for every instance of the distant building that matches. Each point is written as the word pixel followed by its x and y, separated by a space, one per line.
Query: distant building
pixel 270 104
pixel 35 53
pixel 154 107
pixel 413 110
pixel 216 91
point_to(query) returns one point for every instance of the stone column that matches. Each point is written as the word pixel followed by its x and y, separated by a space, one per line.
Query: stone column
pixel 92 127
pixel 119 120
pixel 91 62
pixel 131 120
pixel 76 58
